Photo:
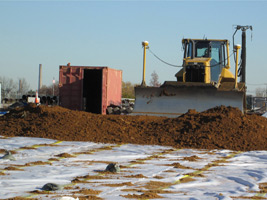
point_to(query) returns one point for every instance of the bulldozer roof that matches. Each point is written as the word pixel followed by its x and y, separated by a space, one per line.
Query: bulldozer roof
pixel 188 39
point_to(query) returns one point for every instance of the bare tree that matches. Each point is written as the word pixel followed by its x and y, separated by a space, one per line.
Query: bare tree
pixel 154 81
pixel 9 88
pixel 51 90
pixel 24 87
pixel 260 92
pixel 127 89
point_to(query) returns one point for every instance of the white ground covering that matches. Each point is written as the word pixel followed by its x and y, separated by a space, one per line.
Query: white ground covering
pixel 238 174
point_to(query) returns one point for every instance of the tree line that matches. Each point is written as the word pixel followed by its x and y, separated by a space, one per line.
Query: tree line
pixel 14 89
pixel 128 87
pixel 11 89
pixel 261 92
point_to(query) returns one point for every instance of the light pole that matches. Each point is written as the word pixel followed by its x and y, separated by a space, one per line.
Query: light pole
pixel 54 86
pixel 145 46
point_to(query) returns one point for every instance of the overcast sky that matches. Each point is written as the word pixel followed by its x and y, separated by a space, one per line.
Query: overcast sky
pixel 110 33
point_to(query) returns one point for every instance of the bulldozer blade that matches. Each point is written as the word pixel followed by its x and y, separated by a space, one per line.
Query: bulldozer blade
pixel 173 101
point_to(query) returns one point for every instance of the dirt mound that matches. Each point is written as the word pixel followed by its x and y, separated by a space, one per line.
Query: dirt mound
pixel 217 128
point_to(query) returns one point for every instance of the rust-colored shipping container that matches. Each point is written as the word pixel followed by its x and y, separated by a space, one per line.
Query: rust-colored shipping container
pixel 91 89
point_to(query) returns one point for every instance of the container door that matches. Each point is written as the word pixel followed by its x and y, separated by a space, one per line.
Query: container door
pixel 70 87
pixel 92 90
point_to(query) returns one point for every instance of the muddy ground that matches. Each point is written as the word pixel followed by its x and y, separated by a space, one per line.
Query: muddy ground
pixel 217 128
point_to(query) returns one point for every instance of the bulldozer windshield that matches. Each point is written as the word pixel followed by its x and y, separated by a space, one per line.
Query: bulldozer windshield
pixel 202 49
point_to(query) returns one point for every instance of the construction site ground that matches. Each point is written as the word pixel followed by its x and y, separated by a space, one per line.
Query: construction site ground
pixel 216 154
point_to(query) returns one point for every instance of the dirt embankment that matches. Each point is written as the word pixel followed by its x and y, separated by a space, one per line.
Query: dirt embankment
pixel 217 128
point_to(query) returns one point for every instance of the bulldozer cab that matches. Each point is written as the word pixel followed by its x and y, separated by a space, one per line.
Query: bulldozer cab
pixel 203 60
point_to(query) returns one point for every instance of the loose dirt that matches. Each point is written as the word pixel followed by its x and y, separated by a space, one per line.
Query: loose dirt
pixel 217 128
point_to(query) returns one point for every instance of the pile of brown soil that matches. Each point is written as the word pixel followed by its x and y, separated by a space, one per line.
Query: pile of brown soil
pixel 217 128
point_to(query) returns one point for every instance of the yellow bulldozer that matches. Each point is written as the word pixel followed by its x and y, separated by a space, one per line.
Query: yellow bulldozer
pixel 204 81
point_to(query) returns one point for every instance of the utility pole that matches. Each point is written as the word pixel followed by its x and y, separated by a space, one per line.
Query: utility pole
pixel 242 68
pixel 243 50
